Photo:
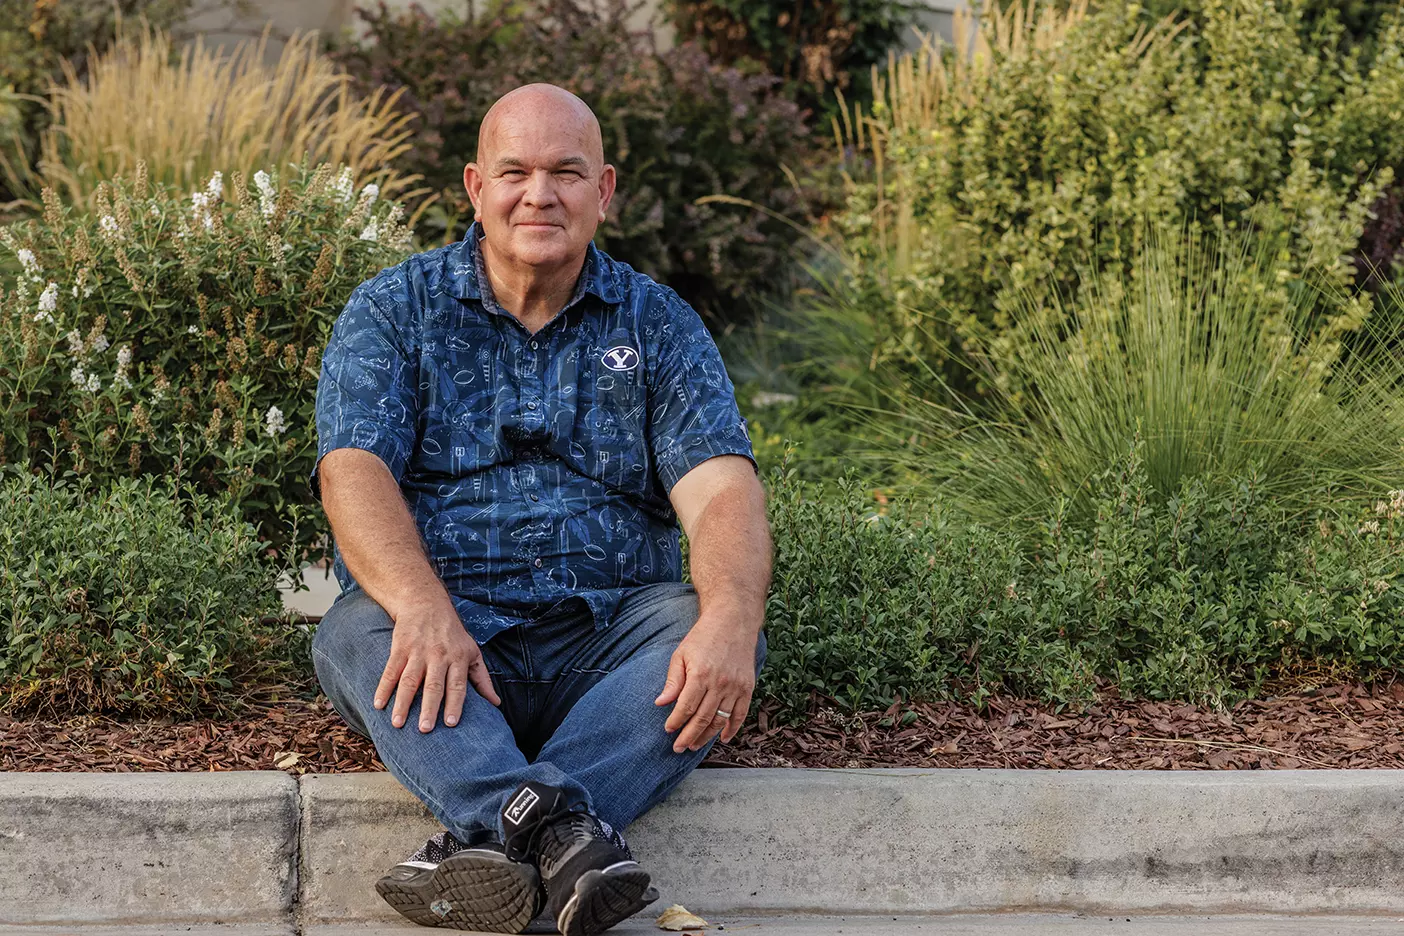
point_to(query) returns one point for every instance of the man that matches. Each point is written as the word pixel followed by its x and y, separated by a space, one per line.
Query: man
pixel 509 428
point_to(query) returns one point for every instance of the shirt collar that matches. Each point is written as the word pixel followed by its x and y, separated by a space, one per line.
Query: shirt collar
pixel 469 278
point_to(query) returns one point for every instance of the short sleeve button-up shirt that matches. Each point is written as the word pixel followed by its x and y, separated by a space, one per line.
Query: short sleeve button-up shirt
pixel 536 466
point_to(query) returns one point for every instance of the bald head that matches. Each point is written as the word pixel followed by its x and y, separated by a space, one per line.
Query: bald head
pixel 544 107
pixel 540 185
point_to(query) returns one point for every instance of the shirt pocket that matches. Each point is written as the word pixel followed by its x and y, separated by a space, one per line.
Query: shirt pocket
pixel 610 425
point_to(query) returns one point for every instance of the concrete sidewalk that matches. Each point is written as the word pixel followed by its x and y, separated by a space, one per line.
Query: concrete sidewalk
pixel 266 849
pixel 1017 924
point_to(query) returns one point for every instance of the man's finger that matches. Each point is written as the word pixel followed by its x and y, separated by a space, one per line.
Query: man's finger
pixel 688 699
pixel 674 683
pixel 455 692
pixel 482 679
pixel 738 717
pixel 393 667
pixel 405 692
pixel 435 678
pixel 699 724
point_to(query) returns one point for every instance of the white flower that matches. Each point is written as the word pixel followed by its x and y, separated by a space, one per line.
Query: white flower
pixel 155 212
pixel 108 225
pixel 215 187
pixel 76 375
pixel 48 299
pixel 121 380
pixel 42 316
pixel 369 193
pixel 274 419
pixel 157 396
pixel 343 185
pixel 30 264
pixel 369 233
pixel 75 342
pixel 267 195
pixel 100 343
pixel 200 209
pixel 124 356
pixel 193 330
pixel 94 385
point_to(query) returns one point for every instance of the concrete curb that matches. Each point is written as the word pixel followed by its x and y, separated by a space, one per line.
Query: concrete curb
pixel 111 848
pixel 260 847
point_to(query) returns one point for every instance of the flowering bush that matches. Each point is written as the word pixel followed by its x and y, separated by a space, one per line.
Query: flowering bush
pixel 676 127
pixel 180 333
pixel 133 598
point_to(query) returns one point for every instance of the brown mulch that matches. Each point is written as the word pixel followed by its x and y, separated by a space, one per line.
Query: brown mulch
pixel 1339 726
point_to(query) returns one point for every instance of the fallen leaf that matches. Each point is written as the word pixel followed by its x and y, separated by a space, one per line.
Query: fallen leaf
pixel 676 919
pixel 286 760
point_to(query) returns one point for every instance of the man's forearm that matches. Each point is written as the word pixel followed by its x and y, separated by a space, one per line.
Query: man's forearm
pixel 730 555
pixel 377 536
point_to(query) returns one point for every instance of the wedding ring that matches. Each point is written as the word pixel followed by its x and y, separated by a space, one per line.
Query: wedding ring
pixel 723 714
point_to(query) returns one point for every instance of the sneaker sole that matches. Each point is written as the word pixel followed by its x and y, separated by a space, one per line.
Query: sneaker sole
pixel 604 898
pixel 477 891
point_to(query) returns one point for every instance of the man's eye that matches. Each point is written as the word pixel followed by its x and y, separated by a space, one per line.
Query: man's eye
pixel 514 172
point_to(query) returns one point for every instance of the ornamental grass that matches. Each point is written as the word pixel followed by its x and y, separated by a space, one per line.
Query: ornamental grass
pixel 191 115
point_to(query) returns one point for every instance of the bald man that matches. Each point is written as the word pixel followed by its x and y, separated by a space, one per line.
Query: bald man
pixel 509 430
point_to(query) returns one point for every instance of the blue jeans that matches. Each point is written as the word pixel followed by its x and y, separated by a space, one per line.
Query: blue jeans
pixel 577 709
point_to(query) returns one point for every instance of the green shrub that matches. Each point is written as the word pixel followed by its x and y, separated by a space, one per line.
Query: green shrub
pixel 1006 176
pixel 1199 596
pixel 675 126
pixel 181 335
pixel 132 598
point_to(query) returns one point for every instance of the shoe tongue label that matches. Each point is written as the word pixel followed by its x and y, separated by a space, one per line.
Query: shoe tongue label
pixel 521 805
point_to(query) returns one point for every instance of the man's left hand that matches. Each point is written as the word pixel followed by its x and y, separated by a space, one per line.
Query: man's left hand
pixel 713 670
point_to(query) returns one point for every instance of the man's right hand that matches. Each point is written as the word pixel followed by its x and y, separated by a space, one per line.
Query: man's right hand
pixel 431 648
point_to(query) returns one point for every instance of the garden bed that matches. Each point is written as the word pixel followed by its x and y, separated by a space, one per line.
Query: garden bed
pixel 1341 726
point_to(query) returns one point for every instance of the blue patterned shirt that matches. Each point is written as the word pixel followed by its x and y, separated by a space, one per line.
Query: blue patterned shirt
pixel 536 466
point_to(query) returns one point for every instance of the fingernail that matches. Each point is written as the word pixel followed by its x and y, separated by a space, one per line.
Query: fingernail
pixel 450 721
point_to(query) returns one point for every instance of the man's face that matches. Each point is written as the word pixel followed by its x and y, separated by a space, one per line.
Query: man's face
pixel 537 191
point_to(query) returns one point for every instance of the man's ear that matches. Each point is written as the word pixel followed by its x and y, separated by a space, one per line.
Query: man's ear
pixel 607 181
pixel 473 184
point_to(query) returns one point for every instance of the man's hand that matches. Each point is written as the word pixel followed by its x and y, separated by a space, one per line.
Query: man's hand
pixel 430 647
pixel 714 668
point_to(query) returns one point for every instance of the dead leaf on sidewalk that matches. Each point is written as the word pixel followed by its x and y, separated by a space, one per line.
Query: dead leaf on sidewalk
pixel 286 760
pixel 676 919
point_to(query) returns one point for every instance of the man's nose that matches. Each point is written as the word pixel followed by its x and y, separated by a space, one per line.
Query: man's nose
pixel 541 188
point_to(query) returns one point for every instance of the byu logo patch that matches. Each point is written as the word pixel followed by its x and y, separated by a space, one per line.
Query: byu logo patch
pixel 620 358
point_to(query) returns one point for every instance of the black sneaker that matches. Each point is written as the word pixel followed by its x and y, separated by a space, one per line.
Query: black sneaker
pixel 590 878
pixel 470 888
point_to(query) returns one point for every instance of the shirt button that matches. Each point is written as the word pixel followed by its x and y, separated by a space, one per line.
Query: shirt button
pixel 531 405
pixel 535 498
pixel 538 563
pixel 533 346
